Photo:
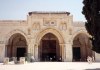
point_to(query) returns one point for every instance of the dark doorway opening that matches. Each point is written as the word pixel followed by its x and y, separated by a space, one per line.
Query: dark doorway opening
pixel 48 50
pixel 76 54
pixel 21 52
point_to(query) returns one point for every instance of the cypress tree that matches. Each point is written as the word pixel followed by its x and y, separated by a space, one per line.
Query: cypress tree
pixel 91 11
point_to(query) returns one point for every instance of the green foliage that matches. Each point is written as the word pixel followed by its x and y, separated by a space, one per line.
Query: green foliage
pixel 91 10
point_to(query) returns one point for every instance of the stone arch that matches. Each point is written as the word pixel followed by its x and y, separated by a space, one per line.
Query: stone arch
pixel 81 45
pixel 49 48
pixel 55 33
pixel 63 26
pixel 14 32
pixel 17 46
pixel 15 43
pixel 79 32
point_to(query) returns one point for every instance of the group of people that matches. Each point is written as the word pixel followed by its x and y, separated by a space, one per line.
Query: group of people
pixel 52 58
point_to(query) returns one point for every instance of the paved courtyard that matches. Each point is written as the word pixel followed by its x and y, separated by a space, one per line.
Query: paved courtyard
pixel 52 66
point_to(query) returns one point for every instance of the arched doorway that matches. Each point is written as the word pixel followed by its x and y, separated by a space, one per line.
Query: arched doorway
pixel 49 48
pixel 81 47
pixel 17 46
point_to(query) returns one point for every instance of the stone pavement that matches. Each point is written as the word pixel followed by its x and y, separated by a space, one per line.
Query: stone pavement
pixel 52 66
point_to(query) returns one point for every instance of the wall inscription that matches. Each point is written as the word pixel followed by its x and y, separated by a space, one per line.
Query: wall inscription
pixel 49 22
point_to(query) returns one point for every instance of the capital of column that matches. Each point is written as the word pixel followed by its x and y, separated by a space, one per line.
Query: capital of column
pixel 35 45
pixel 62 44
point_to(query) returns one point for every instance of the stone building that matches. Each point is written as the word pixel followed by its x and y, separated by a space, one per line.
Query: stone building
pixel 48 36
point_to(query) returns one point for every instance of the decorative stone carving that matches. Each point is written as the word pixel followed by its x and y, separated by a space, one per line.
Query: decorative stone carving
pixel 49 22
pixel 46 23
pixel 36 26
pixel 52 23
pixel 63 26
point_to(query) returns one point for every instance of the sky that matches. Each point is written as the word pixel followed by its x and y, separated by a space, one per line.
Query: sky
pixel 18 9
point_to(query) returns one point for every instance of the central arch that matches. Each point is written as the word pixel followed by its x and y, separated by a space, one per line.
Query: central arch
pixel 58 41
pixel 49 48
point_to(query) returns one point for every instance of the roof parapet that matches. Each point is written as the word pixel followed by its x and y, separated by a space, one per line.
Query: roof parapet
pixel 78 24
pixel 38 12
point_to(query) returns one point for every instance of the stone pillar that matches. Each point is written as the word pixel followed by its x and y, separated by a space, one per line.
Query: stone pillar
pixel 36 52
pixel 68 52
pixel 2 52
pixel 63 51
pixel 32 47
pixel 29 48
pixel 97 57
pixel 29 45
pixel 60 50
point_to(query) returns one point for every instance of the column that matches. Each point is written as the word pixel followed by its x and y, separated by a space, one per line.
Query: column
pixel 68 54
pixel 60 50
pixel 63 52
pixel 36 52
pixel 29 46
pixel 32 47
pixel 2 52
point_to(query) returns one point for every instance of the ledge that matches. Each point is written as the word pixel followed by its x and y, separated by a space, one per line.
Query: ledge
pixel 40 12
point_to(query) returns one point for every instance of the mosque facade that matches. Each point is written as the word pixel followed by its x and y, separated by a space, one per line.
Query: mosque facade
pixel 47 36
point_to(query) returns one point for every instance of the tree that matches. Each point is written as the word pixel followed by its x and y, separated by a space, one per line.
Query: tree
pixel 91 10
